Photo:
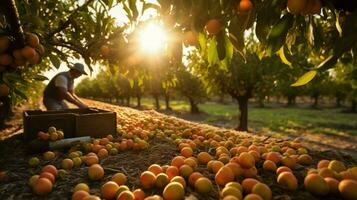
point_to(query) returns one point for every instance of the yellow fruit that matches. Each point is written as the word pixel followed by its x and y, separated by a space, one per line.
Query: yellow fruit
pixel 77 161
pixel 119 178
pixel 288 180
pixel 236 185
pixel 252 197
pixel 34 161
pixel 81 186
pixel 161 180
pixel 231 191
pixel 109 190
pixel 203 185
pixel 336 166
pixel 49 155
pixel 173 191
pixel 95 172
pixel 180 180
pixel 33 180
pixel 126 195
pixel 262 190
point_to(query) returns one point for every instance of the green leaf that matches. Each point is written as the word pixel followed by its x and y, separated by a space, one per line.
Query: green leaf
pixel 212 52
pixel 55 60
pixel 133 8
pixel 283 57
pixel 20 93
pixel 337 23
pixel 39 77
pixel 202 41
pixel 304 79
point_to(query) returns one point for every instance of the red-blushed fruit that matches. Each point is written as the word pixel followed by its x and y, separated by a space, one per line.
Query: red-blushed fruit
pixel 51 169
pixel 224 176
pixel 274 156
pixel 67 164
pixel 42 186
pixel 287 180
pixel 119 178
pixel 95 172
pixel 28 52
pixel 139 194
pixel 49 176
pixel 172 171
pixel 186 152
pixel 283 169
pixel 269 165
pixel 203 185
pixel 194 177
pixel 250 173
pixel 213 26
pixel 173 191
pixel 316 185
pixel 147 179
pixel 80 195
pixel 289 162
pixel 323 164
pixel 248 184
pixel 236 168
pixel 262 190
pixel 155 168
pixel 348 189
pixel 204 157
pixel 332 184
pixel 91 197
pixel 178 161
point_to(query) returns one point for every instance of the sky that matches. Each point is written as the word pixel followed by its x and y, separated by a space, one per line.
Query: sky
pixel 120 15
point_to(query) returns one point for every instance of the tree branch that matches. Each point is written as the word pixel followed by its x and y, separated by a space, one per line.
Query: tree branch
pixel 12 16
pixel 68 21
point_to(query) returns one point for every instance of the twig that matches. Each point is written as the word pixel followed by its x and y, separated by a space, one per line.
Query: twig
pixel 12 16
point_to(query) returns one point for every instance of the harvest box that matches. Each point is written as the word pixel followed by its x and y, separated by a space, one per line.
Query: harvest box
pixel 73 122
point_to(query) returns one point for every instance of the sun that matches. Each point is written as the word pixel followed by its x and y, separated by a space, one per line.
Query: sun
pixel 152 38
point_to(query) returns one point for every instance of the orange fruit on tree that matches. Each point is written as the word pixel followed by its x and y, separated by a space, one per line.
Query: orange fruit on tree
pixel 28 52
pixel 109 189
pixel 5 59
pixel 95 172
pixel 32 39
pixel 213 26
pixel 296 6
pixel 245 5
pixel 4 43
pixel 4 90
pixel 42 186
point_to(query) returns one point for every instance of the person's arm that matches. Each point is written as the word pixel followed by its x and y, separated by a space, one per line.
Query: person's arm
pixel 76 97
pixel 68 96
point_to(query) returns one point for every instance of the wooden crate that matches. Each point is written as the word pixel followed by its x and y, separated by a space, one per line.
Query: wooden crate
pixel 74 122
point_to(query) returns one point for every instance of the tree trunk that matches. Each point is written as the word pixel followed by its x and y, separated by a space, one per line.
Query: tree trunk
pixel 338 102
pixel 261 102
pixel 316 101
pixel 221 99
pixel 291 100
pixel 127 101
pixel 243 108
pixel 353 105
pixel 138 100
pixel 193 106
pixel 157 103
pixel 167 101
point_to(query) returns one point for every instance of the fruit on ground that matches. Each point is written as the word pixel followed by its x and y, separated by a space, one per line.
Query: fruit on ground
pixel 49 155
pixel 81 186
pixel 269 165
pixel 51 169
pixel 178 161
pixel 262 190
pixel 173 191
pixel 296 6
pixel 253 197
pixel 67 164
pixel 91 160
pixel 204 157
pixel 95 172
pixel 246 160
pixel 139 194
pixel 172 171
pixel 288 180
pixel 126 195
pixel 42 186
pixel 224 176
pixel 155 168
pixel 119 178
pixel 236 185
pixel 336 166
pixel 109 189
pixel 180 180
pixel 49 176
pixel 332 184
pixel 80 195
pixel 323 164
pixel 162 180
pixel 348 189
pixel 34 161
pixel 33 179
pixel 147 179
pixel 316 185
pixel 248 184
pixel 213 26
pixel 203 185
pixel 185 171
pixel 4 43
pixel 194 177
pixel 230 190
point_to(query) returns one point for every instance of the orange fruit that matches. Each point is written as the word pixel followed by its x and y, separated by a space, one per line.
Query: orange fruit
pixel 224 176
pixel 81 186
pixel 332 184
pixel 178 161
pixel 67 164
pixel 32 39
pixel 80 195
pixel 262 190
pixel 186 152
pixel 161 180
pixel 193 178
pixel 172 171
pixel 185 171
pixel 296 6
pixel 139 194
pixel 95 172
pixel 288 180
pixel 245 5
pixel 5 59
pixel 155 168
pixel 316 184
pixel 109 189
pixel 33 179
pixel 91 160
pixel 213 26
pixel 283 169
pixel 28 52
pixel 347 189
pixel 190 38
pixel 147 179
pixel 42 186
pixel 180 180
pixel 204 157
pixel 51 169
pixel 126 195
pixel 269 165
pixel 323 164
pixel 253 197
pixel 248 184
pixel 233 191
pixel 102 153
pixel 49 176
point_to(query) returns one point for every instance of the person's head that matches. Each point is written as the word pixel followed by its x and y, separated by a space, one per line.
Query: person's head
pixel 77 70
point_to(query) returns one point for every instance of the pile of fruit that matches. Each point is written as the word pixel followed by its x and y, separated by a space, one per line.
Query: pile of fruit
pixel 52 134
pixel 209 163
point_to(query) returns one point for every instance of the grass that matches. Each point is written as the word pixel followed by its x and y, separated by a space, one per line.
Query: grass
pixel 282 120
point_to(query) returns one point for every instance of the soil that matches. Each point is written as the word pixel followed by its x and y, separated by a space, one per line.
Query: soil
pixel 14 160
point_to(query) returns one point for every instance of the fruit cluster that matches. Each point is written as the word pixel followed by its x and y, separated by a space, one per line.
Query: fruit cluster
pixel 30 54
pixel 52 134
